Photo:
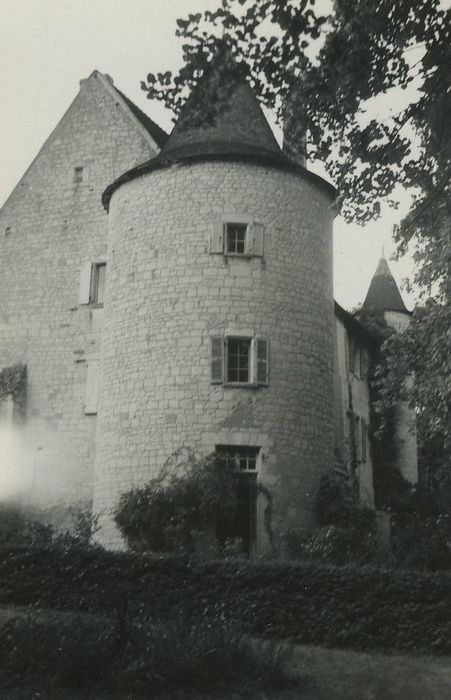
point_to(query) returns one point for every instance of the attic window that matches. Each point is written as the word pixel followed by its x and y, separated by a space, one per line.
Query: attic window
pixel 78 174
pixel 7 231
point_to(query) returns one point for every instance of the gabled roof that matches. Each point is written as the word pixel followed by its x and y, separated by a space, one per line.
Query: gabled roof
pixel 354 326
pixel 383 293
pixel 159 136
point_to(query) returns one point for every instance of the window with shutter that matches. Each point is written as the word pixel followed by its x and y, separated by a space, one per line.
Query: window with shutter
pixel 238 237
pixel 217 360
pixel 358 438
pixel 98 275
pixel 217 239
pixel 85 283
pixel 92 386
pixel 256 234
pixel 261 360
pixel 364 426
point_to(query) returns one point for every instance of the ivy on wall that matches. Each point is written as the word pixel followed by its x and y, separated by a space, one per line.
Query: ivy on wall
pixel 13 382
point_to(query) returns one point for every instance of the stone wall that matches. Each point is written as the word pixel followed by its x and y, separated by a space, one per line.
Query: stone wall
pixel 352 400
pixel 167 295
pixel 49 227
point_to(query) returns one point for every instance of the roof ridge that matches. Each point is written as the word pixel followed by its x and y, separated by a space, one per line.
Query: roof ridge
pixel 157 133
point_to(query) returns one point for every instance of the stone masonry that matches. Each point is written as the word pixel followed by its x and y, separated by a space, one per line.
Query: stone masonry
pixel 49 227
pixel 168 295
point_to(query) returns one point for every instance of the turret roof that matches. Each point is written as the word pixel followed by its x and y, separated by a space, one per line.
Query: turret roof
pixel 383 293
pixel 237 131
pixel 239 126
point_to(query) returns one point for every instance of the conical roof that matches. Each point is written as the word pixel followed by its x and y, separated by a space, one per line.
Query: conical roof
pixel 383 293
pixel 236 127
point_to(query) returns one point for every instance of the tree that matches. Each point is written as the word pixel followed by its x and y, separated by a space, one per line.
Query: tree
pixel 319 72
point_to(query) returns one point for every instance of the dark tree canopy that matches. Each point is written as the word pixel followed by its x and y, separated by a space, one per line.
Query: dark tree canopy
pixel 318 73
pixel 321 66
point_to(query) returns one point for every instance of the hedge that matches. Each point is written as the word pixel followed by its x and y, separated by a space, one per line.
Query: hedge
pixel 360 608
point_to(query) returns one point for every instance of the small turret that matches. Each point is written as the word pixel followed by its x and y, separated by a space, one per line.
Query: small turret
pixel 383 293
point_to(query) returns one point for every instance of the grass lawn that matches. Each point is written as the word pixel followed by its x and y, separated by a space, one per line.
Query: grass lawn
pixel 327 674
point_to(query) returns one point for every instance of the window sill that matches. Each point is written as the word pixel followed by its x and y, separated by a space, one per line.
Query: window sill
pixel 243 385
pixel 95 306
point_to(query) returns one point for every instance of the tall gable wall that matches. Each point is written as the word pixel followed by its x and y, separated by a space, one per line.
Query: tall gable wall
pixel 49 227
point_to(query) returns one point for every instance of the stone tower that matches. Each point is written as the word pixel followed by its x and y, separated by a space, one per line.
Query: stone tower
pixel 383 294
pixel 218 329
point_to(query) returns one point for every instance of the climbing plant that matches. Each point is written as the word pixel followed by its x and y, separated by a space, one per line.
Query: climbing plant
pixel 13 382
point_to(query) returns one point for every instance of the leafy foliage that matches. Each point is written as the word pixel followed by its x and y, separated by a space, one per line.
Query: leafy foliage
pixel 185 651
pixel 351 606
pixel 322 76
pixel 13 380
pixel 20 529
pixel 338 504
pixel 170 512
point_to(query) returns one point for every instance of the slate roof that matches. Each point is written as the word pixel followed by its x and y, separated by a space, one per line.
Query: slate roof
pixel 383 293
pixel 239 127
pixel 157 133
pixel 239 132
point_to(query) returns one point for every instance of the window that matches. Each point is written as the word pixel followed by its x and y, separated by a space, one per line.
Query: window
pixel 92 283
pixel 239 360
pixel 242 528
pixel 360 428
pixel 238 236
pixel 97 294
pixel 358 359
pixel 242 459
pixel 364 427
pixel 78 174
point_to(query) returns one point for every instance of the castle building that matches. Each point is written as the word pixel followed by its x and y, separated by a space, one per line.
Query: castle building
pixel 172 297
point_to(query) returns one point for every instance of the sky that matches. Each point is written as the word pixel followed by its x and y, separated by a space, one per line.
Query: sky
pixel 48 46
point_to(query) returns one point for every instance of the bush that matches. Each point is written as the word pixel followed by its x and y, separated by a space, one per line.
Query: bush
pixel 186 651
pixel 196 650
pixel 335 545
pixel 21 529
pixel 421 527
pixel 338 504
pixel 314 603
pixel 168 513
pixel 58 648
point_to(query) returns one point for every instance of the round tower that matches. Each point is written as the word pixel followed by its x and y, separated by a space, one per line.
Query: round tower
pixel 384 296
pixel 218 331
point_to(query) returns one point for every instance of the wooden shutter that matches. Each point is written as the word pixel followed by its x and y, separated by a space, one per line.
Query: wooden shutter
pixel 363 363
pixel 256 234
pixel 364 439
pixel 85 283
pixel 261 360
pixel 217 360
pixel 358 438
pixel 91 386
pixel 217 239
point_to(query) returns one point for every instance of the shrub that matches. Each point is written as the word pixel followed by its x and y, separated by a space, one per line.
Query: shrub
pixel 338 504
pixel 186 650
pixel 351 606
pixel 66 649
pixel 196 650
pixel 421 527
pixel 21 529
pixel 167 514
pixel 335 545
